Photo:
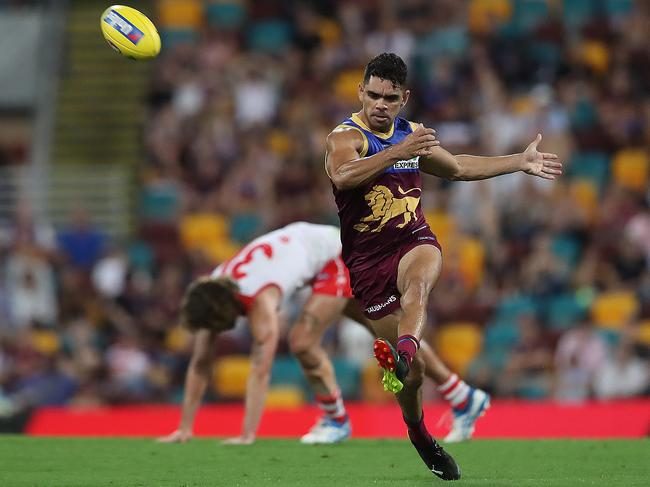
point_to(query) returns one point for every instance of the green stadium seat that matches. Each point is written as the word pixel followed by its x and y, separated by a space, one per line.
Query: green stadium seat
pixel 592 166
pixel 576 13
pixel 348 375
pixel 245 226
pixel 529 13
pixel 226 14
pixel 286 370
pixel 584 114
pixel 269 36
pixel 510 308
pixel 566 248
pixel 562 312
pixel 500 334
pixel 546 53
pixel 450 41
pixel 618 8
pixel 173 37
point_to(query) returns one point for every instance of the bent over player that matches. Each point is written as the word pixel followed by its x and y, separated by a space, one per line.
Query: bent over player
pixel 374 160
pixel 253 284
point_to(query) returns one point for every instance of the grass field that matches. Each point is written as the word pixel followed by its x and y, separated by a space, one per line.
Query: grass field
pixel 71 462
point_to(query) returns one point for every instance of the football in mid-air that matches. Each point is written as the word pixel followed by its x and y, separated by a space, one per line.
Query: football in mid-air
pixel 130 32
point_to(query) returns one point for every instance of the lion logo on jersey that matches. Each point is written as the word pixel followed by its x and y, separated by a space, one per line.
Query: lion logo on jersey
pixel 384 206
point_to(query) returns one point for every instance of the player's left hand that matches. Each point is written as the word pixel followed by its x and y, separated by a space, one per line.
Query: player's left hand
pixel 239 440
pixel 541 164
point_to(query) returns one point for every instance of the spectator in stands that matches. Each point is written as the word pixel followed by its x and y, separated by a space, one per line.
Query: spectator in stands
pixel 527 372
pixel 81 242
pixel 580 352
pixel 622 374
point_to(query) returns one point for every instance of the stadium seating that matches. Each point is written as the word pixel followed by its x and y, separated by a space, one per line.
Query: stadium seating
pixel 179 21
pixel 591 166
pixel 287 396
pixel 562 312
pixel 614 309
pixel 472 261
pixel 230 375
pixel 208 232
pixel 643 333
pixel 630 169
pixel 458 343
pixel 225 14
pixel 371 388
pixel 577 12
pixel 178 339
pixel 585 194
pixel 45 341
pixel 444 223
pixel 483 14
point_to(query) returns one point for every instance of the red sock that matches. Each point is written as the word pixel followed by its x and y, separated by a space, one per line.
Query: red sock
pixel 407 346
pixel 455 391
pixel 332 406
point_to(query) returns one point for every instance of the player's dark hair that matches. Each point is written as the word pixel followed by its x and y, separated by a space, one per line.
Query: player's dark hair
pixel 386 66
pixel 212 304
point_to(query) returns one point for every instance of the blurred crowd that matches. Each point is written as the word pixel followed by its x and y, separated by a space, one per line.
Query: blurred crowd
pixel 545 291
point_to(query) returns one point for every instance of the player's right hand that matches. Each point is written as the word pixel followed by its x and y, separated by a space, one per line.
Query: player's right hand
pixel 177 436
pixel 420 142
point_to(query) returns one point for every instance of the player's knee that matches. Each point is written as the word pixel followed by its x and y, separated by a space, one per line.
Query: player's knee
pixel 417 291
pixel 299 343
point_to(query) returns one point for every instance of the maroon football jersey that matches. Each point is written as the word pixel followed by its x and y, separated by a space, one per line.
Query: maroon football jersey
pixel 379 216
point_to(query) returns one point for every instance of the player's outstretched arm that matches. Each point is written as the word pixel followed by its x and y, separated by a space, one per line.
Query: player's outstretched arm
pixel 263 321
pixel 196 382
pixel 471 168
pixel 348 169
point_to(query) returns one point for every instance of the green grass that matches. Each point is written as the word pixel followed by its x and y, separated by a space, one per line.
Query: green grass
pixel 72 462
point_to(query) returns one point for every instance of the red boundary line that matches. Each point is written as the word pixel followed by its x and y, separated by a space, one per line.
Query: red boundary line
pixel 505 419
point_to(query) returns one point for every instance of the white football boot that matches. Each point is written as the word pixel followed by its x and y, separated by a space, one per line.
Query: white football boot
pixel 327 431
pixel 464 420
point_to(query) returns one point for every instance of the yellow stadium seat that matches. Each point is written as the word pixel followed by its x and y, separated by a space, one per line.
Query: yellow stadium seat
pixel 45 341
pixel 178 339
pixel 458 343
pixel 614 309
pixel 643 333
pixel 484 14
pixel 596 55
pixel 230 375
pixel 285 396
pixel 198 227
pixel 585 194
pixel 630 169
pixel 442 224
pixel 329 32
pixel 345 86
pixel 180 14
pixel 371 388
pixel 279 142
pixel 523 104
pixel 208 232
pixel 472 261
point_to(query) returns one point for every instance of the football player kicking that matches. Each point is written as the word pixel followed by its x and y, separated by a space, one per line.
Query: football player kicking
pixel 253 284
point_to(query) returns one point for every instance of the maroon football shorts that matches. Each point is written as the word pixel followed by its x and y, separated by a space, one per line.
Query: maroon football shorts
pixel 375 282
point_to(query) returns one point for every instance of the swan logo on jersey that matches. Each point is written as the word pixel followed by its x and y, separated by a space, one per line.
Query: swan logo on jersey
pixel 124 27
pixel 384 206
